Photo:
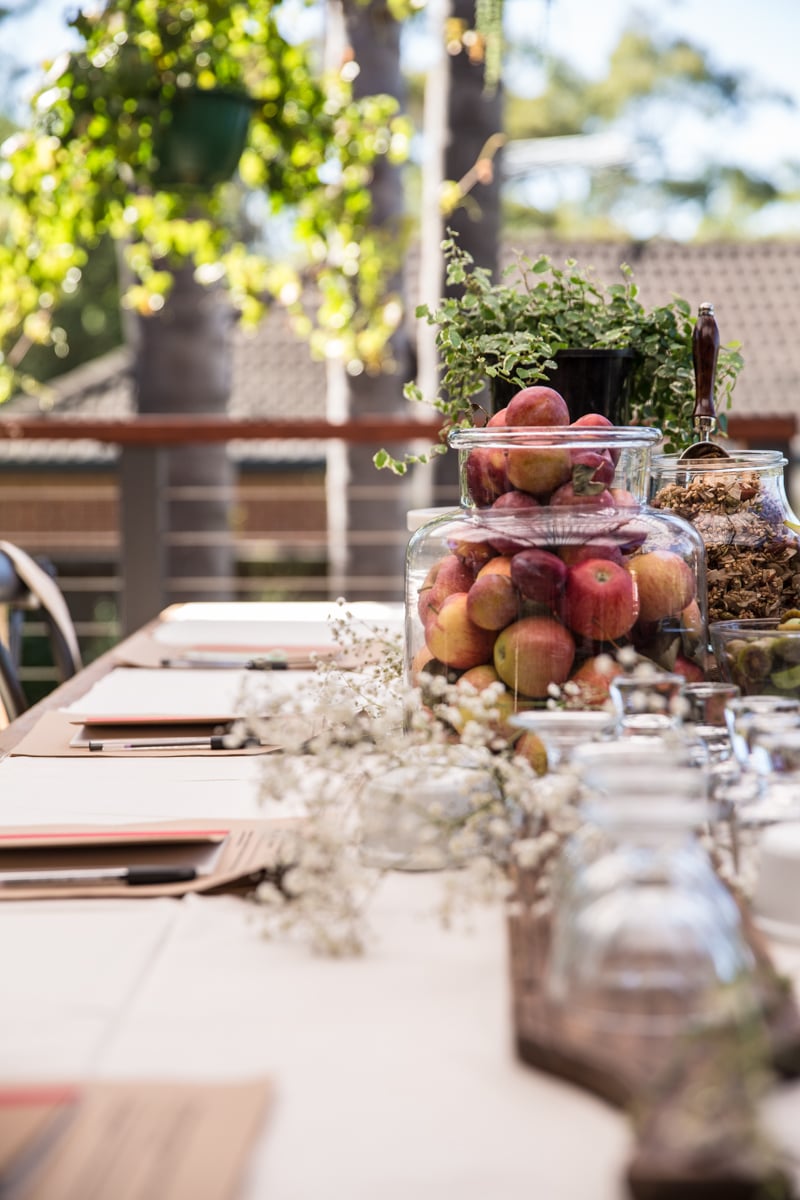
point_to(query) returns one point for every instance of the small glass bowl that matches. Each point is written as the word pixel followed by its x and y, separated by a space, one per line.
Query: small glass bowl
pixel 761 656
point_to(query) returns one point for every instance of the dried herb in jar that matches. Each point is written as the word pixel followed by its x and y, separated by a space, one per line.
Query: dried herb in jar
pixel 753 564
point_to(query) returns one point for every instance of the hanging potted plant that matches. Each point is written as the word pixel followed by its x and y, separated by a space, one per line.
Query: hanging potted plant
pixel 97 161
pixel 166 88
pixel 597 344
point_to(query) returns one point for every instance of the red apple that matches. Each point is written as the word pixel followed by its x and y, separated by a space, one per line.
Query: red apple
pixel 689 670
pixel 486 474
pixel 623 498
pixel 538 469
pixel 499 565
pixel 593 678
pixel 422 661
pixel 532 653
pixel 566 496
pixel 449 574
pixel 537 405
pixel 591 468
pixel 665 583
pixel 470 543
pixel 691 619
pixel 531 747
pixel 498 418
pixel 596 548
pixel 600 600
pixel 456 640
pixel 492 601
pixel 593 420
pixel 513 501
pixel 480 678
pixel 597 421
pixel 539 576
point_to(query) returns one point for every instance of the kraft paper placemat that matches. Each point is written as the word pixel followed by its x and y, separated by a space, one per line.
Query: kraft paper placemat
pixel 53 733
pixel 143 650
pixel 131 1140
pixel 251 851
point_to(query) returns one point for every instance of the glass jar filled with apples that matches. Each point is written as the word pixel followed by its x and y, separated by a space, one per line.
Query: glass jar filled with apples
pixel 554 562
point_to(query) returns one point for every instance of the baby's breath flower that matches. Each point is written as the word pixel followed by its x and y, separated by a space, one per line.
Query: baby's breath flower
pixel 354 729
pixel 627 658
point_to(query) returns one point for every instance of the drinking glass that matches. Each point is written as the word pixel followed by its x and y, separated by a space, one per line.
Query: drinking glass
pixel 647 943
pixel 641 784
pixel 647 703
pixel 775 759
pixel 744 713
pixel 562 729
pixel 704 717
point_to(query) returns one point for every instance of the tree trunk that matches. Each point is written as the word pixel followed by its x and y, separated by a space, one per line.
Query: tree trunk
pixel 474 116
pixel 183 365
pixel 375 504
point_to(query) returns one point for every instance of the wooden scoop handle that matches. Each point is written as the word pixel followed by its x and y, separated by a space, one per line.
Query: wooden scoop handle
pixel 705 351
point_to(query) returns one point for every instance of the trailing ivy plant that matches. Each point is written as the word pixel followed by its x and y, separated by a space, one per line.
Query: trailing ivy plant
pixel 85 169
pixel 511 331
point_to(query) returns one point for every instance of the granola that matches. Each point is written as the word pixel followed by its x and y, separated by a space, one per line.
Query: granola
pixel 752 559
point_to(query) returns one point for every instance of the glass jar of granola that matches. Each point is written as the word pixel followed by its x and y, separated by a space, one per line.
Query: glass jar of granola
pixel 738 505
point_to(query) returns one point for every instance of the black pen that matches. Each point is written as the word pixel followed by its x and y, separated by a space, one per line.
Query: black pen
pixel 187 663
pixel 132 876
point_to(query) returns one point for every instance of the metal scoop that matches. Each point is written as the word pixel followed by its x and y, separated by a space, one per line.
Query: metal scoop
pixel 705 351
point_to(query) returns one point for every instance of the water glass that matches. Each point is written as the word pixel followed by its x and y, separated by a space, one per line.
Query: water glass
pixel 647 703
pixel 745 714
pixel 647 942
pixel 775 759
pixel 704 717
pixel 562 729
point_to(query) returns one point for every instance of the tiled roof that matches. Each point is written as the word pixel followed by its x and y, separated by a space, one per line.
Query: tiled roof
pixel 755 287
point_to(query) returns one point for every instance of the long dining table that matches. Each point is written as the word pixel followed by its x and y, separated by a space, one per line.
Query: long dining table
pixel 388 1075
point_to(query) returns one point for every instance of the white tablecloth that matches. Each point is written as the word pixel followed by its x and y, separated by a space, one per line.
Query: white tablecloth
pixel 395 1073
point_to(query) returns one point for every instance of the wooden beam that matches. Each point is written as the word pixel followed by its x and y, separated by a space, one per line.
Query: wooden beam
pixel 777 431
pixel 171 430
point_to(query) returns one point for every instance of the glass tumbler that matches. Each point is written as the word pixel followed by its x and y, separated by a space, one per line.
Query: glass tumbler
pixel 775 759
pixel 647 943
pixel 562 730
pixel 647 702
pixel 744 714
pixel 609 807
pixel 704 717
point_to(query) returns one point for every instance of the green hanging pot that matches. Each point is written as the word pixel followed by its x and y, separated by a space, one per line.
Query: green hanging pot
pixel 203 142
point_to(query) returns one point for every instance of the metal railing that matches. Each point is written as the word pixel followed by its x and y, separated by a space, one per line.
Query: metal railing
pixel 106 534
pixel 110 568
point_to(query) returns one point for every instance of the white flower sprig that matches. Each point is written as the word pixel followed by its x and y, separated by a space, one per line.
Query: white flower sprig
pixel 347 740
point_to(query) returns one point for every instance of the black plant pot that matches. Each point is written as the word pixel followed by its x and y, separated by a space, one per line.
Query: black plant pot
pixel 589 380
pixel 204 140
